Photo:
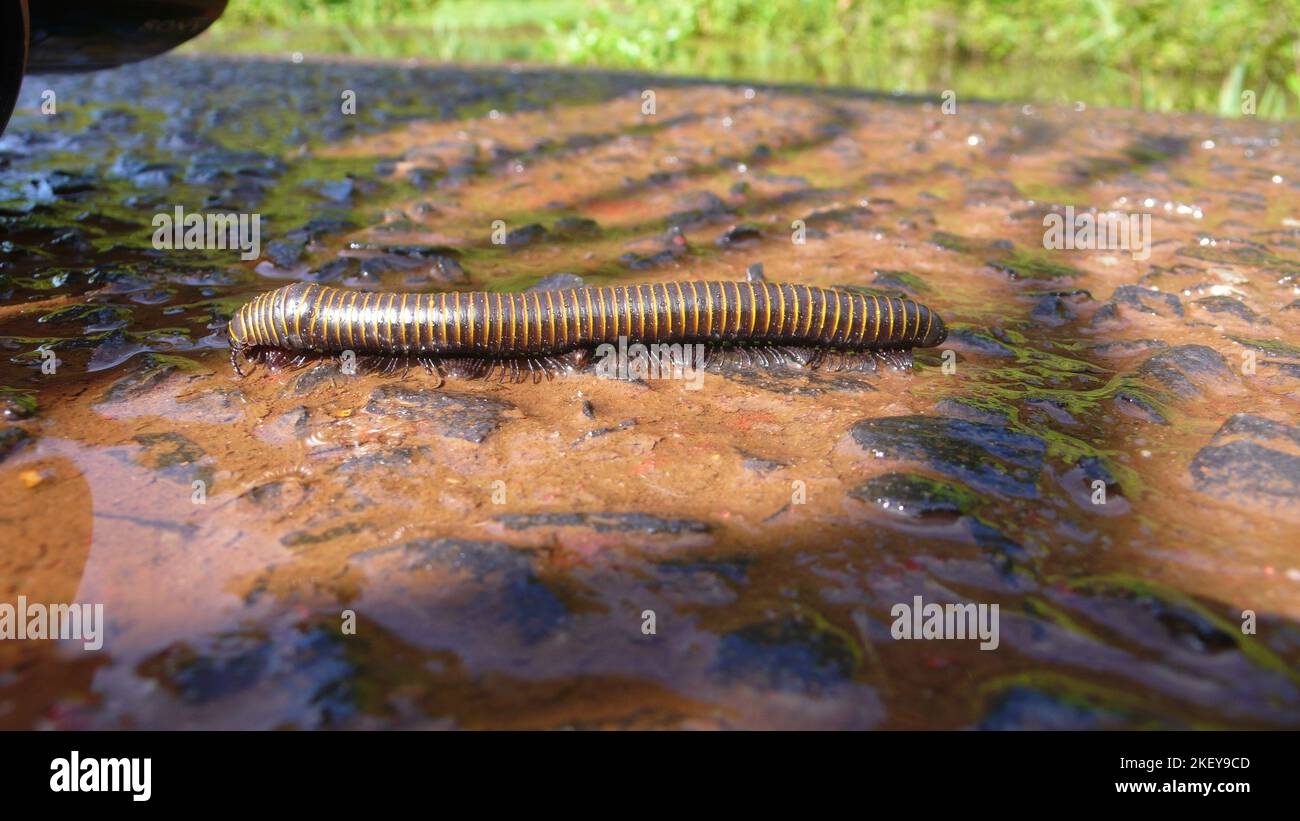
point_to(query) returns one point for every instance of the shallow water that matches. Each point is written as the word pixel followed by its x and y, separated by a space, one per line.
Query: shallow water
pixel 499 545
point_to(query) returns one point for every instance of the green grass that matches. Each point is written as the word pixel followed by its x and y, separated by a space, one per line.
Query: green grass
pixel 1166 54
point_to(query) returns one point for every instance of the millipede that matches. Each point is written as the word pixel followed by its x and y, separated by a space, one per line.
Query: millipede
pixel 535 333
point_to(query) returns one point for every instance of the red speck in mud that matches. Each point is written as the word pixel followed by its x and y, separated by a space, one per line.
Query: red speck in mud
pixel 936 662
pixel 648 464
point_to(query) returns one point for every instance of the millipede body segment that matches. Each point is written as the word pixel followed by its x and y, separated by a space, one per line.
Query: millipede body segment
pixel 308 318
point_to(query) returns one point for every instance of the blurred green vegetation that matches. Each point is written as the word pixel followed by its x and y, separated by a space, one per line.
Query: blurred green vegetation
pixel 1201 55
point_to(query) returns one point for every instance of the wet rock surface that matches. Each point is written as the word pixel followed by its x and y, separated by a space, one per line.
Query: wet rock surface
pixel 1106 447
pixel 1254 459
pixel 989 457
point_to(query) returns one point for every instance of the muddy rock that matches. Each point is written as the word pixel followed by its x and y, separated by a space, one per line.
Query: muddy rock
pixel 912 495
pixel 792 654
pixel 605 522
pixel 12 439
pixel 1226 305
pixel 987 457
pixel 457 416
pixel 1187 370
pixel 1253 459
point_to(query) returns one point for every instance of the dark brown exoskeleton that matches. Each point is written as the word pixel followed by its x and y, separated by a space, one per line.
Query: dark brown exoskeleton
pixel 528 333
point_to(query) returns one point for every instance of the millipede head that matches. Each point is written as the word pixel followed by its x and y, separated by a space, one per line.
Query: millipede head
pixel 237 332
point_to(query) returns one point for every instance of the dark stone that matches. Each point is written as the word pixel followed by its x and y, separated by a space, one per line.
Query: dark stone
pixel 478 558
pixel 1147 300
pixel 1228 305
pixel 849 216
pixel 525 235
pixel 793 654
pixel 904 281
pixel 300 538
pixel 734 568
pixel 236 663
pixel 987 457
pixel 759 464
pixel 398 457
pixel 441 269
pixel 1259 428
pixel 1181 368
pixel 1021 707
pixel 414 251
pixel 15 405
pixel 1239 462
pixel 1052 310
pixel 740 235
pixel 269 495
pixel 969 410
pixel 556 282
pixel 320 226
pixel 169 449
pixel 337 270
pixel 147 376
pixel 456 416
pixel 1141 406
pixel 965 339
pixel 576 227
pixel 312 378
pixel 116 348
pixel 1009 553
pixel 1128 347
pixel 604 522
pixel 285 253
pixel 339 191
pixel 1020 265
pixel 1247 469
pixel 11 439
pixel 1272 347
pixel 914 496
pixel 638 262
pixel 1094 469
pixel 699 207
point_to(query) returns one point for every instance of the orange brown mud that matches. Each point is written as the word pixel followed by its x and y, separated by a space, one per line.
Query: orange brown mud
pixel 498 545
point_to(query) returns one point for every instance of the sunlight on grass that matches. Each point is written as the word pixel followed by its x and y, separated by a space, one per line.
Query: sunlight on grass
pixel 1224 57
